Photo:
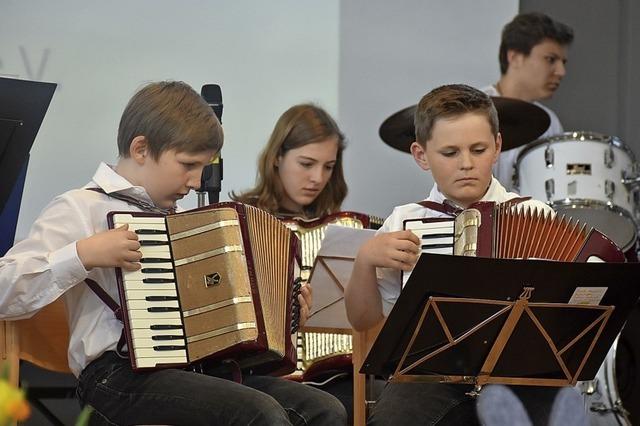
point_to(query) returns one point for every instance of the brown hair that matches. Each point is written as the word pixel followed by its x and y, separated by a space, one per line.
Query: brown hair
pixel 300 125
pixel 527 30
pixel 451 101
pixel 170 115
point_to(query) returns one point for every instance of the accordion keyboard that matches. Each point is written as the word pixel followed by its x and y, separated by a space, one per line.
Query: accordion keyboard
pixel 151 297
pixel 435 238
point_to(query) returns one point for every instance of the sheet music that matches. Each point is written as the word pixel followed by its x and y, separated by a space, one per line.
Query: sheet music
pixel 331 272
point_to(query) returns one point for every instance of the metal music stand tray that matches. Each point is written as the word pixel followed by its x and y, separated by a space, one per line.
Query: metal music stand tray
pixel 517 322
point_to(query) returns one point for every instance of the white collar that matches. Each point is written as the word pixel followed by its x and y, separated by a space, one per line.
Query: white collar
pixel 496 192
pixel 110 181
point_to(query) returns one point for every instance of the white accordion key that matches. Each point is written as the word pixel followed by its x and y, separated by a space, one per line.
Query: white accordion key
pixel 435 237
pixel 166 323
pixel 147 333
pixel 155 361
pixel 157 355
pixel 137 294
pixel 145 272
pixel 149 287
pixel 154 306
pixel 146 315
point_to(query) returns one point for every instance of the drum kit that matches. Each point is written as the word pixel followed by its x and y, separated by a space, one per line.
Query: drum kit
pixel 587 176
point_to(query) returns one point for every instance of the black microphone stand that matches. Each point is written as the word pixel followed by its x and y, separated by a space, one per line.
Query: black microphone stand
pixel 211 180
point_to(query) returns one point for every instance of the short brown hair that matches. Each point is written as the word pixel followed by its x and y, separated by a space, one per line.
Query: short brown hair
pixel 528 30
pixel 170 115
pixel 300 125
pixel 451 101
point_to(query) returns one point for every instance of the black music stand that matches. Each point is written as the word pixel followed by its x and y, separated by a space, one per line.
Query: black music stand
pixel 479 321
pixel 23 105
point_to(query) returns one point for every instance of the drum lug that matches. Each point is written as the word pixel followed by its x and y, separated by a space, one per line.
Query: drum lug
pixel 631 179
pixel 591 387
pixel 550 188
pixel 608 157
pixel 548 157
pixel 609 188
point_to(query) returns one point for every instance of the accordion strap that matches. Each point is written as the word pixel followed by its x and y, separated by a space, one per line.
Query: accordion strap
pixel 516 200
pixel 117 311
pixel 104 296
pixel 148 207
pixel 450 209
pixel 446 208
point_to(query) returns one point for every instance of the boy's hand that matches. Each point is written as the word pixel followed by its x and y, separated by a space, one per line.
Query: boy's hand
pixel 113 248
pixel 398 250
pixel 305 303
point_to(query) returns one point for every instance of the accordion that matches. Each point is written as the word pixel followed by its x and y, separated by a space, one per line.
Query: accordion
pixel 320 349
pixel 512 231
pixel 217 282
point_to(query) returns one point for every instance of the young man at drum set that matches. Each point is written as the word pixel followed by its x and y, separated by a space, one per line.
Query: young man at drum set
pixel 533 56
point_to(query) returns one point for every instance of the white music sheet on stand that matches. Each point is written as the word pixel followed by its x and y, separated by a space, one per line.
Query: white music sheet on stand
pixel 330 275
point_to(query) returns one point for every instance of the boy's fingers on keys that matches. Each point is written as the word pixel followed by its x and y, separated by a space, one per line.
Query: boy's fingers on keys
pixel 404 266
pixel 133 256
pixel 130 266
pixel 410 236
pixel 408 246
pixel 404 257
pixel 133 245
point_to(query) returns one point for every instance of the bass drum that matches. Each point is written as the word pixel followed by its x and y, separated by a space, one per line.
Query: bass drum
pixel 613 397
pixel 581 174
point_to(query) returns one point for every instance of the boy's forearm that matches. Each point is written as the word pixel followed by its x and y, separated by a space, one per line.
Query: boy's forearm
pixel 362 297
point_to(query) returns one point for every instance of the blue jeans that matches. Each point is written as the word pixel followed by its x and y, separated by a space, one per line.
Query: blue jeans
pixel 120 396
pixel 447 404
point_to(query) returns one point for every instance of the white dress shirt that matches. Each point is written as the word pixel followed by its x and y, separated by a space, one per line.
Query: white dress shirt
pixel 504 168
pixel 389 280
pixel 46 266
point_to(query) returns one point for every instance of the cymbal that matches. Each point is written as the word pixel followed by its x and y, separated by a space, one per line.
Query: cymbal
pixel 521 122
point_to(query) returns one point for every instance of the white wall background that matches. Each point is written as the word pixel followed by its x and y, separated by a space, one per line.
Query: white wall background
pixel 361 60
pixel 391 54
pixel 266 56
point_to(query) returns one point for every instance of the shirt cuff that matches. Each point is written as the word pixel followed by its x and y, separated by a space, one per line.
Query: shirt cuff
pixel 67 267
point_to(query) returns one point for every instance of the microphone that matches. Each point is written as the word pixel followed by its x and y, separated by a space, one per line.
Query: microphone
pixel 211 181
pixel 212 94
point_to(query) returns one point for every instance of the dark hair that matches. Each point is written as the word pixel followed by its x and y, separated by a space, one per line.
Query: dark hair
pixel 300 125
pixel 451 101
pixel 527 30
pixel 170 115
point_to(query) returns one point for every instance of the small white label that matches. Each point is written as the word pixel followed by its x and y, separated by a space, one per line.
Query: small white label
pixel 587 295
